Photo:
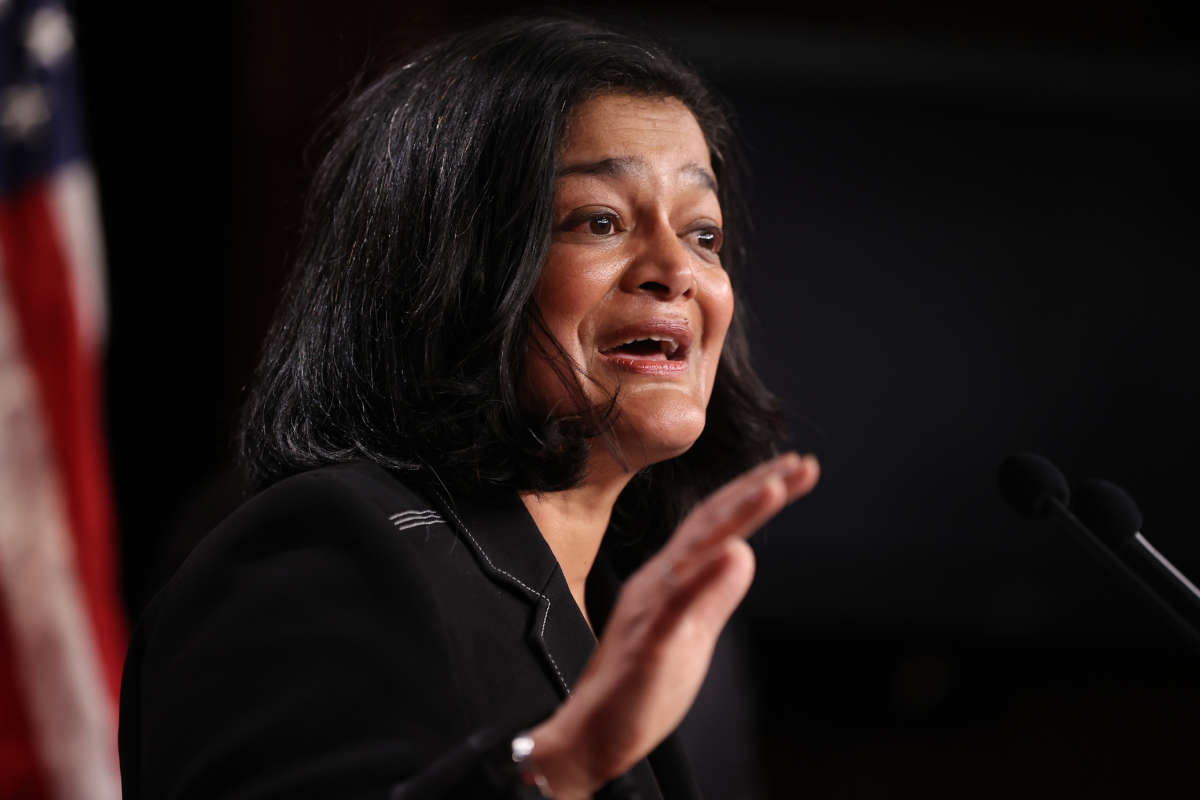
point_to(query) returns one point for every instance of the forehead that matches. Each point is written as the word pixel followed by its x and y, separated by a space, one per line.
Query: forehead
pixel 660 129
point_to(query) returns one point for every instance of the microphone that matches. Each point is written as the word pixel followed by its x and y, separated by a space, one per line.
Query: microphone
pixel 1029 483
pixel 1111 513
pixel 1036 488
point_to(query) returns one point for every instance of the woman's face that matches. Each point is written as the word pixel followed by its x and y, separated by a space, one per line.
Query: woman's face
pixel 633 287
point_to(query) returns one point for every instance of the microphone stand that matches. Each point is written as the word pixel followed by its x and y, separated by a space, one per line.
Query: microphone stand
pixel 1117 566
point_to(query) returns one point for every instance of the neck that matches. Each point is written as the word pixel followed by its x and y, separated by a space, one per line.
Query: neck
pixel 573 523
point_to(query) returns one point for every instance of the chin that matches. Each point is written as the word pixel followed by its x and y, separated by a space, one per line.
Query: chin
pixel 657 436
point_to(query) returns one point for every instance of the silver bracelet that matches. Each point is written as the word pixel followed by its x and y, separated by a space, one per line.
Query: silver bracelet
pixel 522 752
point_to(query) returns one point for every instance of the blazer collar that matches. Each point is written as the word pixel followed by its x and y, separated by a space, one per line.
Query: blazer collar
pixel 511 551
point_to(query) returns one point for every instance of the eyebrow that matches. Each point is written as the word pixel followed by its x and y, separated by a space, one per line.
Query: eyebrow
pixel 623 166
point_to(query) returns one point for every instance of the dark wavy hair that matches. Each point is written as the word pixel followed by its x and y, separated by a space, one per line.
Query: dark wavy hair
pixel 402 334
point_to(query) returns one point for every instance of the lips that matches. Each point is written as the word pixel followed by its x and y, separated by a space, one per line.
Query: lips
pixel 650 346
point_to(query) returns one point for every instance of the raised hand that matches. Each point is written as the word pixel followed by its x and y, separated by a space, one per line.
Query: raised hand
pixel 660 636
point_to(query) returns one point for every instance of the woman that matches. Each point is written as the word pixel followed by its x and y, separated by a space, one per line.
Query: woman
pixel 511 338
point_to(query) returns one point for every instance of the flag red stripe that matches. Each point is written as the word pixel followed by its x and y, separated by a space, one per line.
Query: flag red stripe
pixel 68 383
pixel 21 773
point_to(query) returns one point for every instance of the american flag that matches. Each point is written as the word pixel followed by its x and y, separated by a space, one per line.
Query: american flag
pixel 62 631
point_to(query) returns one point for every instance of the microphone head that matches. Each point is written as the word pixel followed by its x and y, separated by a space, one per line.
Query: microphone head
pixel 1107 510
pixel 1028 482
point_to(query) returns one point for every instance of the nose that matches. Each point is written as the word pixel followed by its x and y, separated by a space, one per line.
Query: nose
pixel 662 266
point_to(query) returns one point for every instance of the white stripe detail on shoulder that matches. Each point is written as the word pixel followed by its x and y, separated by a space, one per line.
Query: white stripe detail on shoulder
pixel 411 519
pixel 405 516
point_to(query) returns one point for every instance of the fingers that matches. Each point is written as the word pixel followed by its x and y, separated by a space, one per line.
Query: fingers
pixel 747 480
pixel 745 503
pixel 701 596
pixel 710 587
pixel 798 473
pixel 801 481
pixel 698 570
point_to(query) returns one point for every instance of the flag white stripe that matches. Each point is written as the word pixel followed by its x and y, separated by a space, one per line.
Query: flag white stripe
pixel 57 659
pixel 76 210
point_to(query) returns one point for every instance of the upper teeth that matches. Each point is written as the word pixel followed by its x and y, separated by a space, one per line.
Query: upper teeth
pixel 671 344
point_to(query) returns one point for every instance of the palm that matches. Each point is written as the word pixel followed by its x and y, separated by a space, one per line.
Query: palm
pixel 659 640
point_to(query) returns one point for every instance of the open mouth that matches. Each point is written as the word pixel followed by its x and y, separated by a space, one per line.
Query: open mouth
pixel 650 347
pixel 655 348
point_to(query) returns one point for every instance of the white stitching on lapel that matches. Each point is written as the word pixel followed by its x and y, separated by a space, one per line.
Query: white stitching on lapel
pixel 545 616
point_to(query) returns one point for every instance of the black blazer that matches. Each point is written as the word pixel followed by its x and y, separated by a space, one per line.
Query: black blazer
pixel 344 635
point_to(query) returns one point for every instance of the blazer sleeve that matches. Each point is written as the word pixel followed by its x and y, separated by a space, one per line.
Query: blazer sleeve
pixel 300 652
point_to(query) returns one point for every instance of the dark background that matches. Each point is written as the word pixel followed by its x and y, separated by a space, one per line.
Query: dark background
pixel 975 235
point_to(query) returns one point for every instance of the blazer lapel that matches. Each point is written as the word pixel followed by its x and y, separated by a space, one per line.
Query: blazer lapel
pixel 511 551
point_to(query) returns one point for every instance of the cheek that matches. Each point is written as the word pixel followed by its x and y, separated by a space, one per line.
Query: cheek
pixel 546 377
pixel 567 293
pixel 717 305
pixel 565 296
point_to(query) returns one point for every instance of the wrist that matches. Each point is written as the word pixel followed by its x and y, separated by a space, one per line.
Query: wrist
pixel 554 761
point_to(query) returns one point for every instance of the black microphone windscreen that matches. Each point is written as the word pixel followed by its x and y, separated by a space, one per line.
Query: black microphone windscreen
pixel 1107 510
pixel 1028 481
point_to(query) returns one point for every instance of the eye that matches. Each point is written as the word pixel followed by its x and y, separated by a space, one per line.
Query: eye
pixel 601 224
pixel 709 239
